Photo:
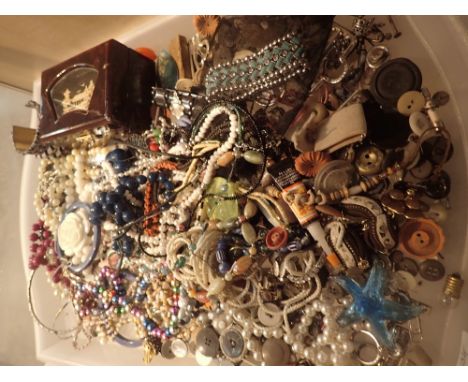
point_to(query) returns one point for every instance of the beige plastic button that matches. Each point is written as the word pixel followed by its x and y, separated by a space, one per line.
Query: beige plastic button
pixel 275 352
pixel 410 102
pixel 166 350
pixel 267 317
pixel 369 160
pixel 419 122
pixel 406 279
pixel 179 348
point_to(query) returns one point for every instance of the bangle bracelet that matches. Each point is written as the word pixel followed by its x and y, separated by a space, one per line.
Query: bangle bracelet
pixel 271 66
pixel 124 341
pixel 36 318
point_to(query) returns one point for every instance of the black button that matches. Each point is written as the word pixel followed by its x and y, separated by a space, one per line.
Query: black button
pixel 433 149
pixel 437 187
pixel 408 265
pixel 394 78
pixel 432 270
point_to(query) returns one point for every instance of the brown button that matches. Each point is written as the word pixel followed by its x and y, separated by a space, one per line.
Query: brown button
pixel 432 270
pixel 422 238
pixel 396 194
pixel 369 160
pixel 275 352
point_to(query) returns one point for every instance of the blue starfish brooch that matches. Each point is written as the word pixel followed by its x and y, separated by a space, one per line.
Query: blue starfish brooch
pixel 369 304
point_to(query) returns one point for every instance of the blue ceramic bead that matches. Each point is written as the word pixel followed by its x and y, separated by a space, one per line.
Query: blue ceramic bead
pixel 168 185
pixel 117 155
pixel 153 176
pixel 119 219
pixel 96 209
pixel 102 197
pixel 120 206
pixel 120 189
pixel 131 183
pixel 162 177
pixel 112 197
pixel 141 179
pixel 128 216
pixel 109 208
pixel 121 166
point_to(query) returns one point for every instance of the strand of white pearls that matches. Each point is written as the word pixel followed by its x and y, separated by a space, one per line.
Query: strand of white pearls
pixel 210 167
pixel 333 345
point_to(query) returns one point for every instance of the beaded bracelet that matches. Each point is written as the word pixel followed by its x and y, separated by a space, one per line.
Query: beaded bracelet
pixel 273 65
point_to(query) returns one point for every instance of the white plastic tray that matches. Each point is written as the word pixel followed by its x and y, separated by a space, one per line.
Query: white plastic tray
pixel 438 45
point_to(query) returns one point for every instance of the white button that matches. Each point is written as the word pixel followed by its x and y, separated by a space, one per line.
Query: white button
pixel 270 315
pixel 202 359
pixel 410 102
pixel 179 348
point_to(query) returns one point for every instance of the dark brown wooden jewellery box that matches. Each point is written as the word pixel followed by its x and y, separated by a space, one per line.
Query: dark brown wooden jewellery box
pixel 108 85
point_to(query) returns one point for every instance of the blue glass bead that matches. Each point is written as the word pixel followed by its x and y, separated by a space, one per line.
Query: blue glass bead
pixel 221 256
pixel 128 216
pixel 119 219
pixel 153 177
pixel 224 267
pixel 141 179
pixel 115 299
pixel 168 332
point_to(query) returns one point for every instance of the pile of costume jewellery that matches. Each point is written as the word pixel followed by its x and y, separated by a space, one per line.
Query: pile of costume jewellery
pixel 276 209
